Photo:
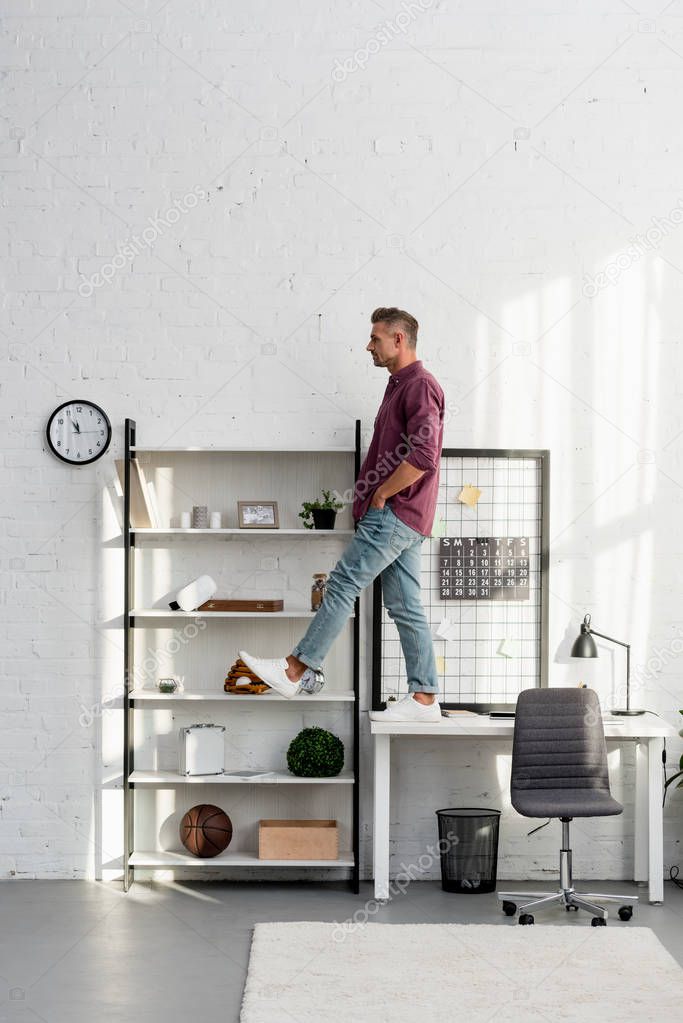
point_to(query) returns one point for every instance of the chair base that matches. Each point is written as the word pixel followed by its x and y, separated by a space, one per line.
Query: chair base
pixel 567 895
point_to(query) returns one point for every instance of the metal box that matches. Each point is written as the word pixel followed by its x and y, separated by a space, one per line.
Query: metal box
pixel 202 749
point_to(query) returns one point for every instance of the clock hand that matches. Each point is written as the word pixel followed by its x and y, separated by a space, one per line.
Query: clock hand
pixel 76 426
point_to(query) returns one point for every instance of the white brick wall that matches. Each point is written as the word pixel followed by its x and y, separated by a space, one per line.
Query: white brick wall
pixel 472 164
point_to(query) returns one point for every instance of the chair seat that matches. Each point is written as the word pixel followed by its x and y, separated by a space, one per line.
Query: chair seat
pixel 565 803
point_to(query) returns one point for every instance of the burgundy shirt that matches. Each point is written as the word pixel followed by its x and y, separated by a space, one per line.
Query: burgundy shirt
pixel 408 428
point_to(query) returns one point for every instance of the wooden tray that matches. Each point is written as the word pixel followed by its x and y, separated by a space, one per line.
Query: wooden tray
pixel 241 605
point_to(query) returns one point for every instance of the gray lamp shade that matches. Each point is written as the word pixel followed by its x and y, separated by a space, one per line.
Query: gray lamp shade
pixel 584 644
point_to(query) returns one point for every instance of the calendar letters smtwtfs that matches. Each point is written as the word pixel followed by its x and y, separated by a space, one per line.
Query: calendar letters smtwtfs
pixel 484 568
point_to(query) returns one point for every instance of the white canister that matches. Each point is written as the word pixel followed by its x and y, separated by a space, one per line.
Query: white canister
pixel 215 520
pixel 185 520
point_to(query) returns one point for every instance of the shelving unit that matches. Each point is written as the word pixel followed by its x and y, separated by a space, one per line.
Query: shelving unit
pixel 157 778
pixel 157 561
pixel 156 612
pixel 166 860
pixel 229 534
pixel 150 695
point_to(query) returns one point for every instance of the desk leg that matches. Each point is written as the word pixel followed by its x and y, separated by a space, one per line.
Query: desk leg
pixel 381 815
pixel 641 822
pixel 655 819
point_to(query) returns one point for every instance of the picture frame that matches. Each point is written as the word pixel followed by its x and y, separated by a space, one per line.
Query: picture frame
pixel 258 515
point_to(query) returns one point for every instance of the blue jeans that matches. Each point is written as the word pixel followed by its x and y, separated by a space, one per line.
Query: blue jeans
pixel 383 545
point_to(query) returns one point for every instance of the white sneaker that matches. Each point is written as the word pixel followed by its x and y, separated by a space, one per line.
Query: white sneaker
pixel 272 672
pixel 408 709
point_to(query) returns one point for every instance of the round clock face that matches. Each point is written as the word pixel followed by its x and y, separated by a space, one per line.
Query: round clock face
pixel 78 432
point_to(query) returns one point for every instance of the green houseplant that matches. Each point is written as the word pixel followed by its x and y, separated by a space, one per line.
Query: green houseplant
pixel 315 753
pixel 679 774
pixel 320 514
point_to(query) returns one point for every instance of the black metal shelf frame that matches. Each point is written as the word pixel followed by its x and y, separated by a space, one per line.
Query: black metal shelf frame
pixel 129 677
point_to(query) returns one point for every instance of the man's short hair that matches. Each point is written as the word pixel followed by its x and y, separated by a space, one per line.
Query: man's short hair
pixel 397 318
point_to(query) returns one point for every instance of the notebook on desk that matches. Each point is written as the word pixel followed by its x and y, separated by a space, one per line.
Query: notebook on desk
pixel 460 714
pixel 477 714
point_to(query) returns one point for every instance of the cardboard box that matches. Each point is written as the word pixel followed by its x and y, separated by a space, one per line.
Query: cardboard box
pixel 298 840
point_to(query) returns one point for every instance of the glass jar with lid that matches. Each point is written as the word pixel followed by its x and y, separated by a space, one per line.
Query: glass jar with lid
pixel 318 589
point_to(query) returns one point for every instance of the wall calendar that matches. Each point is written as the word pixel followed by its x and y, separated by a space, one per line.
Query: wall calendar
pixel 484 568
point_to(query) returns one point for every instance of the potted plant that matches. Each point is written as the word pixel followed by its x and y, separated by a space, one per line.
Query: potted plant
pixel 320 514
pixel 679 774
pixel 315 753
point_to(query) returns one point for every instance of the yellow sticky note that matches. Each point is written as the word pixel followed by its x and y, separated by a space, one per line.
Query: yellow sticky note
pixel 469 495
pixel 441 665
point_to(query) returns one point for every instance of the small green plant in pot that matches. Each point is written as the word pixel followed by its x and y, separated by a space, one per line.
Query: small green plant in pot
pixel 315 753
pixel 679 774
pixel 320 514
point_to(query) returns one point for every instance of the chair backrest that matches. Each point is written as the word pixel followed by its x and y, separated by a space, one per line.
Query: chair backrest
pixel 559 741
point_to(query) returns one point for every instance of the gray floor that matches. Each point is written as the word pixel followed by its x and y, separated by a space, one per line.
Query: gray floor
pixel 77 950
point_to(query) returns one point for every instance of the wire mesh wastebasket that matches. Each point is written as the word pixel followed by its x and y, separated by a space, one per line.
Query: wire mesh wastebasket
pixel 468 844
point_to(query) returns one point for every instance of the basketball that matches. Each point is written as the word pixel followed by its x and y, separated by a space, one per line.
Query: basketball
pixel 205 830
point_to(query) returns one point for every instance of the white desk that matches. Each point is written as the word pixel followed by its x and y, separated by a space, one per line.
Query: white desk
pixel 647 731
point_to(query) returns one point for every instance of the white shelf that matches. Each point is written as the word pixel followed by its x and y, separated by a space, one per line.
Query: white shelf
pixel 248 451
pixel 291 469
pixel 156 612
pixel 291 534
pixel 229 859
pixel 164 778
pixel 325 696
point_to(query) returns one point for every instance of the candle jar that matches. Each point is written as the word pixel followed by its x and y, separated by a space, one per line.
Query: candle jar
pixel 200 516
pixel 318 590
pixel 171 685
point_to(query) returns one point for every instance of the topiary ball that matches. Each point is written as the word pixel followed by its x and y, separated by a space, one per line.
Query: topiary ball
pixel 315 753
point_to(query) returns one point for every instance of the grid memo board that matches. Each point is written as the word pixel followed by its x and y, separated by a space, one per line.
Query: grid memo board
pixel 490 633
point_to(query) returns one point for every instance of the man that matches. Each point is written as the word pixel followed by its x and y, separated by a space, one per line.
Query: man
pixel 394 504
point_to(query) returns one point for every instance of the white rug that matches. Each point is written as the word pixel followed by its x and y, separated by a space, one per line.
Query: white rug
pixel 410 973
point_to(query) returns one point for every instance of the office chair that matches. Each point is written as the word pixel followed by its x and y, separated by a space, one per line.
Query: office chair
pixel 559 769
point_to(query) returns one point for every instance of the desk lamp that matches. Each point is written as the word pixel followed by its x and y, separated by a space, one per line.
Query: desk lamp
pixel 584 646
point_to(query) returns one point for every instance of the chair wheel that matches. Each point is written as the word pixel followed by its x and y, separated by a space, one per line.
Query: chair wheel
pixel 625 912
pixel 598 921
pixel 526 918
pixel 509 908
pixel 574 909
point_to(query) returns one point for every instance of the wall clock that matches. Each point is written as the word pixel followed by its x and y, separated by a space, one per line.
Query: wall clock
pixel 78 432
